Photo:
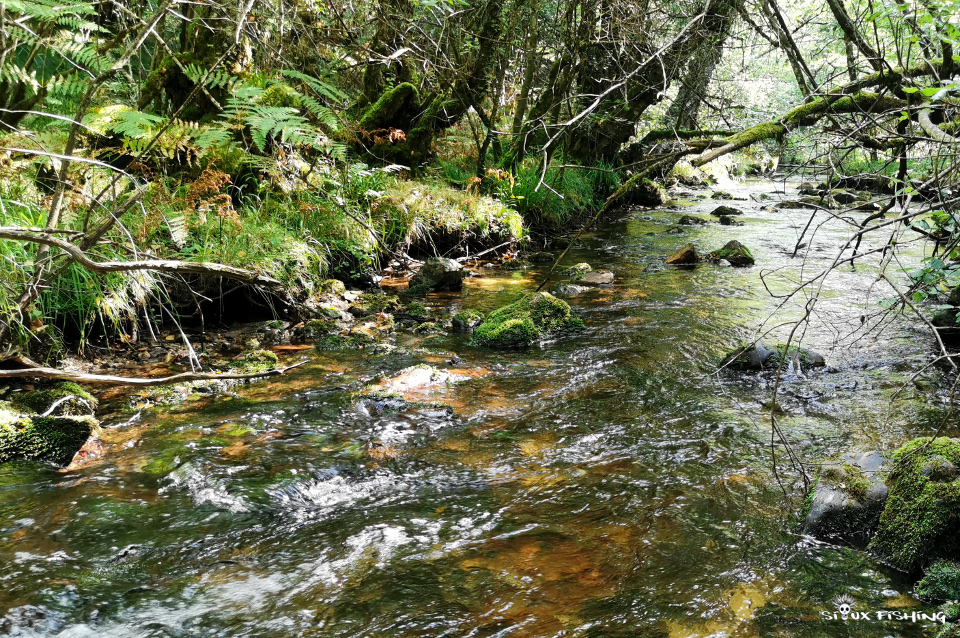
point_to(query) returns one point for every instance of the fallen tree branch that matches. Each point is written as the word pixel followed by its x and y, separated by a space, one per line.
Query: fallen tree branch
pixel 161 265
pixel 933 130
pixel 107 379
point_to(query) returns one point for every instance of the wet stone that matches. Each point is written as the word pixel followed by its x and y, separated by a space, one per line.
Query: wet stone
pixel 849 498
pixel 596 278
pixel 686 255
pixel 726 211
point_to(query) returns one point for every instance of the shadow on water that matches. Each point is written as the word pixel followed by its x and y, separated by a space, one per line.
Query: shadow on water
pixel 603 485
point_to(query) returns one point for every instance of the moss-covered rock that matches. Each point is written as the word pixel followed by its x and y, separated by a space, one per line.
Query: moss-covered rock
pixel 254 361
pixel 577 269
pixel 690 220
pixel 645 192
pixel 920 520
pixel 54 439
pixel 533 317
pixel 315 329
pixel 371 303
pixel 941 582
pixel 333 287
pixel 439 273
pixel 734 252
pixel 726 211
pixel 848 499
pixel 355 340
pixel 467 321
pixel 76 400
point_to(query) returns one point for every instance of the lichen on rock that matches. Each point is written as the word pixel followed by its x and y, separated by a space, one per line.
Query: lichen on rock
pixel 533 317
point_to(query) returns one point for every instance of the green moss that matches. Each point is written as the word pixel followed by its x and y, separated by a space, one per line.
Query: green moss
pixel 353 341
pixel 370 303
pixel 392 101
pixel 255 361
pixel 855 481
pixel 51 439
pixel 521 323
pixel 317 329
pixel 951 610
pixel 41 400
pixel 280 95
pixel 578 269
pixel 941 582
pixel 734 252
pixel 331 287
pixel 417 309
pixel 419 289
pixel 920 519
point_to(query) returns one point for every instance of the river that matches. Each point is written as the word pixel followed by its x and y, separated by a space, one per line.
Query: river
pixel 607 484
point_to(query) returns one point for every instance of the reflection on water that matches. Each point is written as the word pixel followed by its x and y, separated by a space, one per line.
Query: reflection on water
pixel 604 485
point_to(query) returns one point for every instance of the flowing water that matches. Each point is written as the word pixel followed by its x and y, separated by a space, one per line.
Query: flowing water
pixel 607 484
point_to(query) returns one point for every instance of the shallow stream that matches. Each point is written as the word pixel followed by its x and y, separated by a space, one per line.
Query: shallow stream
pixel 604 485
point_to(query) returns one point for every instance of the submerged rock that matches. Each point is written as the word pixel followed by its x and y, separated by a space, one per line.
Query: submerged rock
pixel 734 252
pixel 686 255
pixel 410 388
pixel 849 498
pixel 920 521
pixel 439 273
pixel 533 317
pixel 760 357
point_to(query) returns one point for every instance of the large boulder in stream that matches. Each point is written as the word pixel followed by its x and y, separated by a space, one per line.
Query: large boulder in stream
pixel 50 425
pixel 920 521
pixel 849 498
pixel 734 252
pixel 532 318
pixel 759 356
pixel 439 273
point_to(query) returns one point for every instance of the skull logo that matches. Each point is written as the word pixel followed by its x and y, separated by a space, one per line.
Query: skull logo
pixel 844 604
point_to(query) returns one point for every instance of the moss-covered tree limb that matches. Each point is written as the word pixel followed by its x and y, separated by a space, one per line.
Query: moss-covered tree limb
pixel 804 115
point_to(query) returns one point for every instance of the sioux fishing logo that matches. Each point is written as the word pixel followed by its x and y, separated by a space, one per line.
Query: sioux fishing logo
pixel 844 604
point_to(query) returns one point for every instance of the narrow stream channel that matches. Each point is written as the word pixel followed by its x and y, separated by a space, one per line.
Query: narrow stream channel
pixel 604 485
